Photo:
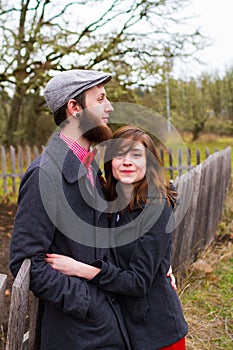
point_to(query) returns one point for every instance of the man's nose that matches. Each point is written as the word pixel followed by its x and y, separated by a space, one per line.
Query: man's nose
pixel 108 107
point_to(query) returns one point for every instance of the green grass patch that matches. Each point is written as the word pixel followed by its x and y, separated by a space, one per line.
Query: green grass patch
pixel 212 142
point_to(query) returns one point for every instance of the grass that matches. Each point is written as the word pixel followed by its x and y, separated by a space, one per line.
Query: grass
pixel 207 291
pixel 210 141
pixel 213 142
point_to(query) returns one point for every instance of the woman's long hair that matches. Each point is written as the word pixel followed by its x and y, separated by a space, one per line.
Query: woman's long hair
pixel 125 137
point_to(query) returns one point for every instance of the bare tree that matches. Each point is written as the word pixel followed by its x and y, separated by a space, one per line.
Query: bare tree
pixel 125 37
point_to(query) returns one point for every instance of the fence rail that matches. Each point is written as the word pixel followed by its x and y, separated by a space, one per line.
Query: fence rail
pixel 15 160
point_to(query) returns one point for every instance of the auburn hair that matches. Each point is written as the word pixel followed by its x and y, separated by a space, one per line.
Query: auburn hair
pixel 125 137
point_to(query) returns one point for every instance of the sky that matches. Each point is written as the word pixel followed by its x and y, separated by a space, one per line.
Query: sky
pixel 215 19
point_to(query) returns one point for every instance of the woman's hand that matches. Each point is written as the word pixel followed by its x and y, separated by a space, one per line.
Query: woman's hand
pixel 70 266
pixel 172 278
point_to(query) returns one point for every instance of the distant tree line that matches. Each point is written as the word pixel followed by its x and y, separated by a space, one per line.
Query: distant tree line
pixel 134 40
pixel 203 104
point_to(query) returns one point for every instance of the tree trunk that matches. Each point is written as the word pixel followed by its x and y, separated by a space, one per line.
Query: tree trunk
pixel 13 122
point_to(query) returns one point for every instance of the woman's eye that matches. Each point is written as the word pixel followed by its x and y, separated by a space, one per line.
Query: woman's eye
pixel 136 155
pixel 119 155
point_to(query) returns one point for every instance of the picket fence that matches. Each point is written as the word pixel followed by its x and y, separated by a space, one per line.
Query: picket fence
pixel 14 161
pixel 202 193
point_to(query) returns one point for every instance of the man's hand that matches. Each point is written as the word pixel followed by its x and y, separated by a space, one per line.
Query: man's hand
pixel 172 278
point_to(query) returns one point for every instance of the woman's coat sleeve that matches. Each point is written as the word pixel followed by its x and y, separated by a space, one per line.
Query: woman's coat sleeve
pixel 148 253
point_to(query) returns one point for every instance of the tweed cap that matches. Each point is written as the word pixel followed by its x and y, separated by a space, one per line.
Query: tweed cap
pixel 66 85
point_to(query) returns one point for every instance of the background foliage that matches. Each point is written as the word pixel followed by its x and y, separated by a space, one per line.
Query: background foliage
pixel 137 41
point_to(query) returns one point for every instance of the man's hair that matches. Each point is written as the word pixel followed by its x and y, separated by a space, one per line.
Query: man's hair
pixel 60 116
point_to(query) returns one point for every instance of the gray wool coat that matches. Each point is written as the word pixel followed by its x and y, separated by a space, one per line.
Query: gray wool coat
pixel 58 213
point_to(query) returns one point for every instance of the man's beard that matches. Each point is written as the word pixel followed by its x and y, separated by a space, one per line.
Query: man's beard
pixel 92 128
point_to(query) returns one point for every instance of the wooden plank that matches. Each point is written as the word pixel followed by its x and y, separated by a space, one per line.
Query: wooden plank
pixel 221 183
pixel 35 151
pixel 183 187
pixel 198 156
pixel 188 156
pixel 199 237
pixel 170 163
pixel 4 169
pixel 33 312
pixel 228 162
pixel 208 207
pixel 179 162
pixel 3 280
pixel 207 152
pixel 193 240
pixel 182 167
pixel 28 155
pixel 18 308
pixel 13 168
pixel 20 160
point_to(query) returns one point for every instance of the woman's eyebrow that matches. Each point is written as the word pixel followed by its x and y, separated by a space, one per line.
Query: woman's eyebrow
pixel 137 149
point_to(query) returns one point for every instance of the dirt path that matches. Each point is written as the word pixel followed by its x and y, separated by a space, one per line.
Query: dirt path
pixel 7 213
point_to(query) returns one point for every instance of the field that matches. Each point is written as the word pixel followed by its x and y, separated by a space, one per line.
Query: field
pixel 213 143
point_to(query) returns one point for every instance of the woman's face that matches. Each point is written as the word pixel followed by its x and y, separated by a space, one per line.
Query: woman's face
pixel 129 165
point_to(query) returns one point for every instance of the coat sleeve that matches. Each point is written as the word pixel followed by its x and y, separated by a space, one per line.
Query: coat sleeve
pixel 148 253
pixel 32 238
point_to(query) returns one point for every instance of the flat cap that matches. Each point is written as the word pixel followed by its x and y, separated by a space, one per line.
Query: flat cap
pixel 66 85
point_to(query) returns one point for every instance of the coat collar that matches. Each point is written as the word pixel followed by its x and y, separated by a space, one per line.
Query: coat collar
pixel 69 165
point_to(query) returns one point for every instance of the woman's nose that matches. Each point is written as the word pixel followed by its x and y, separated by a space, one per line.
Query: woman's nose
pixel 127 160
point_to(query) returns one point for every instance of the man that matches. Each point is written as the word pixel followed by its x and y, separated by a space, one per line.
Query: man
pixel 61 210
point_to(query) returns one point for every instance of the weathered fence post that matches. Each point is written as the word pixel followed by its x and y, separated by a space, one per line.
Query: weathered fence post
pixel 23 305
pixel 13 168
pixel 33 343
pixel 20 161
pixel 18 308
pixel 28 155
pixel 4 175
pixel 3 279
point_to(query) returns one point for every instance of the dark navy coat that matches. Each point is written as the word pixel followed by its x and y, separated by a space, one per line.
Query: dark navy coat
pixel 151 308
pixel 57 213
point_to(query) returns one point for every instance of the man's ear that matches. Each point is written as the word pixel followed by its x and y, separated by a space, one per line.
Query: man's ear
pixel 73 108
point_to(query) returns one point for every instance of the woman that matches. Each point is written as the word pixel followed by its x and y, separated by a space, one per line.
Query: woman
pixel 141 203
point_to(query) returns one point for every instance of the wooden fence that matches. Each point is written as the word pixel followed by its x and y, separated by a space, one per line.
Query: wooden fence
pixel 202 192
pixel 14 161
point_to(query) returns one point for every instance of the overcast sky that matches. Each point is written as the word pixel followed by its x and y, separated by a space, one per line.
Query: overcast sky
pixel 216 20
